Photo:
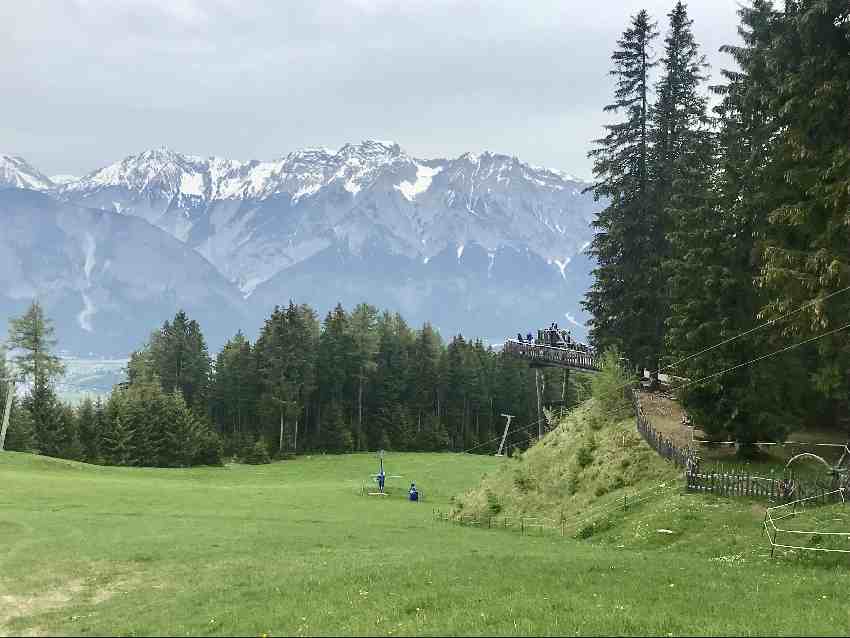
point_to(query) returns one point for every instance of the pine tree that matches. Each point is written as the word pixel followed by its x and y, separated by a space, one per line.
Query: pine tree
pixel 720 219
pixel 363 325
pixel 806 248
pixel 88 430
pixel 235 389
pixel 336 435
pixel 286 361
pixel 179 356
pixel 117 443
pixel 424 375
pixel 682 162
pixel 335 373
pixel 622 299
pixel 33 336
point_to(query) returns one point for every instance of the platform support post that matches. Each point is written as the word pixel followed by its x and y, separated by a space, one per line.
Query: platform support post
pixel 538 382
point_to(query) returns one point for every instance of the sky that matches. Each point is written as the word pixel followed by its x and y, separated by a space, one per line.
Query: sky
pixel 84 83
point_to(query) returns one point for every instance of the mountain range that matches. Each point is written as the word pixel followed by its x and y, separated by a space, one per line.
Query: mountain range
pixel 482 244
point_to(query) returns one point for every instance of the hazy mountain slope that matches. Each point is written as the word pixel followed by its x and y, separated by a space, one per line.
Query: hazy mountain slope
pixel 107 280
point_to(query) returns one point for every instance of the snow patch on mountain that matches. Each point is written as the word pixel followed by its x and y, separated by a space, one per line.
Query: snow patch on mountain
pixel 424 175
pixel 562 265
pixel 15 172
pixel 61 180
pixel 86 314
pixel 192 184
pixel 90 261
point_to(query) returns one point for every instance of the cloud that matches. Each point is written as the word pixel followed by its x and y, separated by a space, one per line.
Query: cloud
pixel 88 81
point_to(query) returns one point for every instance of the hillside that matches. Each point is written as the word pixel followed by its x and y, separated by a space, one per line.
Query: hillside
pixel 583 466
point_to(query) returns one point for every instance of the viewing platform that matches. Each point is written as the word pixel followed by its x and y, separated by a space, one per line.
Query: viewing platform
pixel 574 356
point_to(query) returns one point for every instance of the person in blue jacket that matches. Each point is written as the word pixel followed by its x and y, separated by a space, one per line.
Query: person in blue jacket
pixel 380 478
pixel 414 495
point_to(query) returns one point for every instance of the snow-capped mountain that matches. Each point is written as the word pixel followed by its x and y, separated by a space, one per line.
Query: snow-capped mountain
pixel 482 244
pixel 15 172
pixel 254 219
pixel 61 180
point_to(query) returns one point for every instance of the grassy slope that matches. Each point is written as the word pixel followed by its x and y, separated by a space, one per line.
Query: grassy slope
pixel 576 470
pixel 291 548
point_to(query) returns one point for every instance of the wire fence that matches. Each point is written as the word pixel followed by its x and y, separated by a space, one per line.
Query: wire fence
pixel 583 525
pixel 811 540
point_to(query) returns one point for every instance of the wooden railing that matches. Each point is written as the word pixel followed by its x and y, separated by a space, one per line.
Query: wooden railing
pixel 576 356
pixel 685 458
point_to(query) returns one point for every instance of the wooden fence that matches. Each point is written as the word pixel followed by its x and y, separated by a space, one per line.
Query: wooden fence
pixel 771 489
pixel 774 490
pixel 685 458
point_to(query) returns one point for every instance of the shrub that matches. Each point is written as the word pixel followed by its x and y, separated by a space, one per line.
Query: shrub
pixel 589 529
pixel 608 387
pixel 584 456
pixel 493 505
pixel 523 480
pixel 258 454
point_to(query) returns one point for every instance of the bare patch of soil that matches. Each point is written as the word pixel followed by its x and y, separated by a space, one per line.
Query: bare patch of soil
pixel 76 591
pixel 665 414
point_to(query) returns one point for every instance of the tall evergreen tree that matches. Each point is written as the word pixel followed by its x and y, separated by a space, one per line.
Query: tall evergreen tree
pixel 235 390
pixel 32 339
pixel 622 299
pixel 89 433
pixel 682 161
pixel 806 246
pixel 180 359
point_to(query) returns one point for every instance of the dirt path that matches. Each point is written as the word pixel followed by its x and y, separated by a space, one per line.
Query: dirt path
pixel 665 415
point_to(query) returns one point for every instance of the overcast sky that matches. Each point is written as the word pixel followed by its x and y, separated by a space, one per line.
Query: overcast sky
pixel 86 82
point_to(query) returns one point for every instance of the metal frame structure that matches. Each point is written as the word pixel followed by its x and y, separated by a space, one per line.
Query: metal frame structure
pixel 783 512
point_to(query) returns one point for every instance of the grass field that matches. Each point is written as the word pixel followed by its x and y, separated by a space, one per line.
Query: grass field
pixel 292 548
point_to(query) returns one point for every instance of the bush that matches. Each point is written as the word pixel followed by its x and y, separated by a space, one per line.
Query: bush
pixel 523 481
pixel 572 484
pixel 258 454
pixel 584 456
pixel 609 389
pixel 589 529
pixel 493 505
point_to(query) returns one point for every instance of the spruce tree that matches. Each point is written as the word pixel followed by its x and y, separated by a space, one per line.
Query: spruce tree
pixel 621 299
pixel 88 430
pixel 235 389
pixel 806 245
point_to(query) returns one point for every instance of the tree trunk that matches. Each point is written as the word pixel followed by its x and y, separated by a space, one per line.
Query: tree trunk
pixel 360 411
pixel 280 442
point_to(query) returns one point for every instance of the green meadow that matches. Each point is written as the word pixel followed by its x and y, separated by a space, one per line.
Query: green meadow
pixel 294 548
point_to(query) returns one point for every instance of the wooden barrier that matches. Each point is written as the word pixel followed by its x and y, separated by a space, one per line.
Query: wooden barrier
pixel 577 357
